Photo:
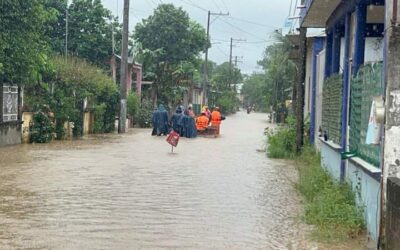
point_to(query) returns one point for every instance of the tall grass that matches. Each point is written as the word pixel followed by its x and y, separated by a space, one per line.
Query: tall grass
pixel 330 206
pixel 282 142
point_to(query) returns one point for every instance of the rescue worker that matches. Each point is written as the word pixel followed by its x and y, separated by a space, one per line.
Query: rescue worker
pixel 216 119
pixel 202 122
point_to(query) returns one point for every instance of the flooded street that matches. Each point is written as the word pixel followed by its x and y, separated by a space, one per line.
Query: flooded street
pixel 128 192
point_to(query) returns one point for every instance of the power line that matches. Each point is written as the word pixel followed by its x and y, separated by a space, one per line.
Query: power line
pixel 239 29
pixel 252 22
pixel 194 5
pixel 219 48
pixel 215 3
pixel 226 7
pixel 248 42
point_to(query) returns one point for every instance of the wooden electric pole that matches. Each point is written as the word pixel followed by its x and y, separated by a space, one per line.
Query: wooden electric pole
pixel 205 84
pixel 66 30
pixel 231 59
pixel 301 67
pixel 124 69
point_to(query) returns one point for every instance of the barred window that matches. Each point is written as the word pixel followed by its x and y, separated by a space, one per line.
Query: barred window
pixel 10 102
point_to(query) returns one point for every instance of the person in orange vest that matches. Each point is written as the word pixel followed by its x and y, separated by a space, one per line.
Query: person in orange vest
pixel 216 119
pixel 202 122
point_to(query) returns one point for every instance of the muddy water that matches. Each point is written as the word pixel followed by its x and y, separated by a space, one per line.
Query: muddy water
pixel 127 192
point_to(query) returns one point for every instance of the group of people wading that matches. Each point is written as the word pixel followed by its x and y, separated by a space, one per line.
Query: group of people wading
pixel 185 123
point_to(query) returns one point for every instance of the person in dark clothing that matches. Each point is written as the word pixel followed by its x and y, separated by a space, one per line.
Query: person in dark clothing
pixel 160 121
pixel 189 126
pixel 176 121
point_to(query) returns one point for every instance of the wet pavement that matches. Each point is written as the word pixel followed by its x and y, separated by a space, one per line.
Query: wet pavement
pixel 130 191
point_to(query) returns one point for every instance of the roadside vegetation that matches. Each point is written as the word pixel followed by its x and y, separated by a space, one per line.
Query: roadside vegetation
pixel 329 206
pixel 281 142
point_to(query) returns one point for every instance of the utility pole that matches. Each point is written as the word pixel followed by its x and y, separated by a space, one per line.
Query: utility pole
pixel 237 61
pixel 205 98
pixel 112 37
pixel 230 59
pixel 230 63
pixel 300 89
pixel 66 30
pixel 124 69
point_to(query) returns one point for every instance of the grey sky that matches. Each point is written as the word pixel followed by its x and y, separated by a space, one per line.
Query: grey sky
pixel 263 16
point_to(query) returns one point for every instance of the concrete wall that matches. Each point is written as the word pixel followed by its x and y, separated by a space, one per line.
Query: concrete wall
pixel 319 89
pixel 27 118
pixel 367 190
pixel 392 72
pixel 364 180
pixel 342 48
pixel 330 158
pixel 373 49
pixel 308 80
pixel 10 133
pixel 88 121
pixel 391 166
pixel 393 218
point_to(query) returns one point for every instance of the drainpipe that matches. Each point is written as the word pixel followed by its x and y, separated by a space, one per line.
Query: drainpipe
pixel 345 93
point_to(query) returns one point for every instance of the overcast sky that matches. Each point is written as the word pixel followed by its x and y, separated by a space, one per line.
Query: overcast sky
pixel 252 20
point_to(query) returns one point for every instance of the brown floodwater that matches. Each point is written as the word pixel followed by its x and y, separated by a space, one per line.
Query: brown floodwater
pixel 129 191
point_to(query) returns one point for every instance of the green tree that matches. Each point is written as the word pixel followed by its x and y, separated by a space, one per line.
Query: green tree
pixel 23 52
pixel 89 33
pixel 224 78
pixel 55 28
pixel 170 44
pixel 256 90
pixel 223 87
pixel 280 72
pixel 90 29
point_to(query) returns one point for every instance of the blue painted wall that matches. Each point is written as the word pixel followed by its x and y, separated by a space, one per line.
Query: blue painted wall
pixel 366 188
pixel 331 160
pixel 367 191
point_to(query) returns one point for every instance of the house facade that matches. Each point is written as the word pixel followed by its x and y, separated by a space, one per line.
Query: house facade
pixel 345 79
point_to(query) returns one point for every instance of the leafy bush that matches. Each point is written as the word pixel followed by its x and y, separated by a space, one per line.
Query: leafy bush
pixel 66 85
pixel 282 143
pixel 145 114
pixel 42 128
pixel 99 112
pixel 330 206
pixel 108 96
pixel 228 102
pixel 132 104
